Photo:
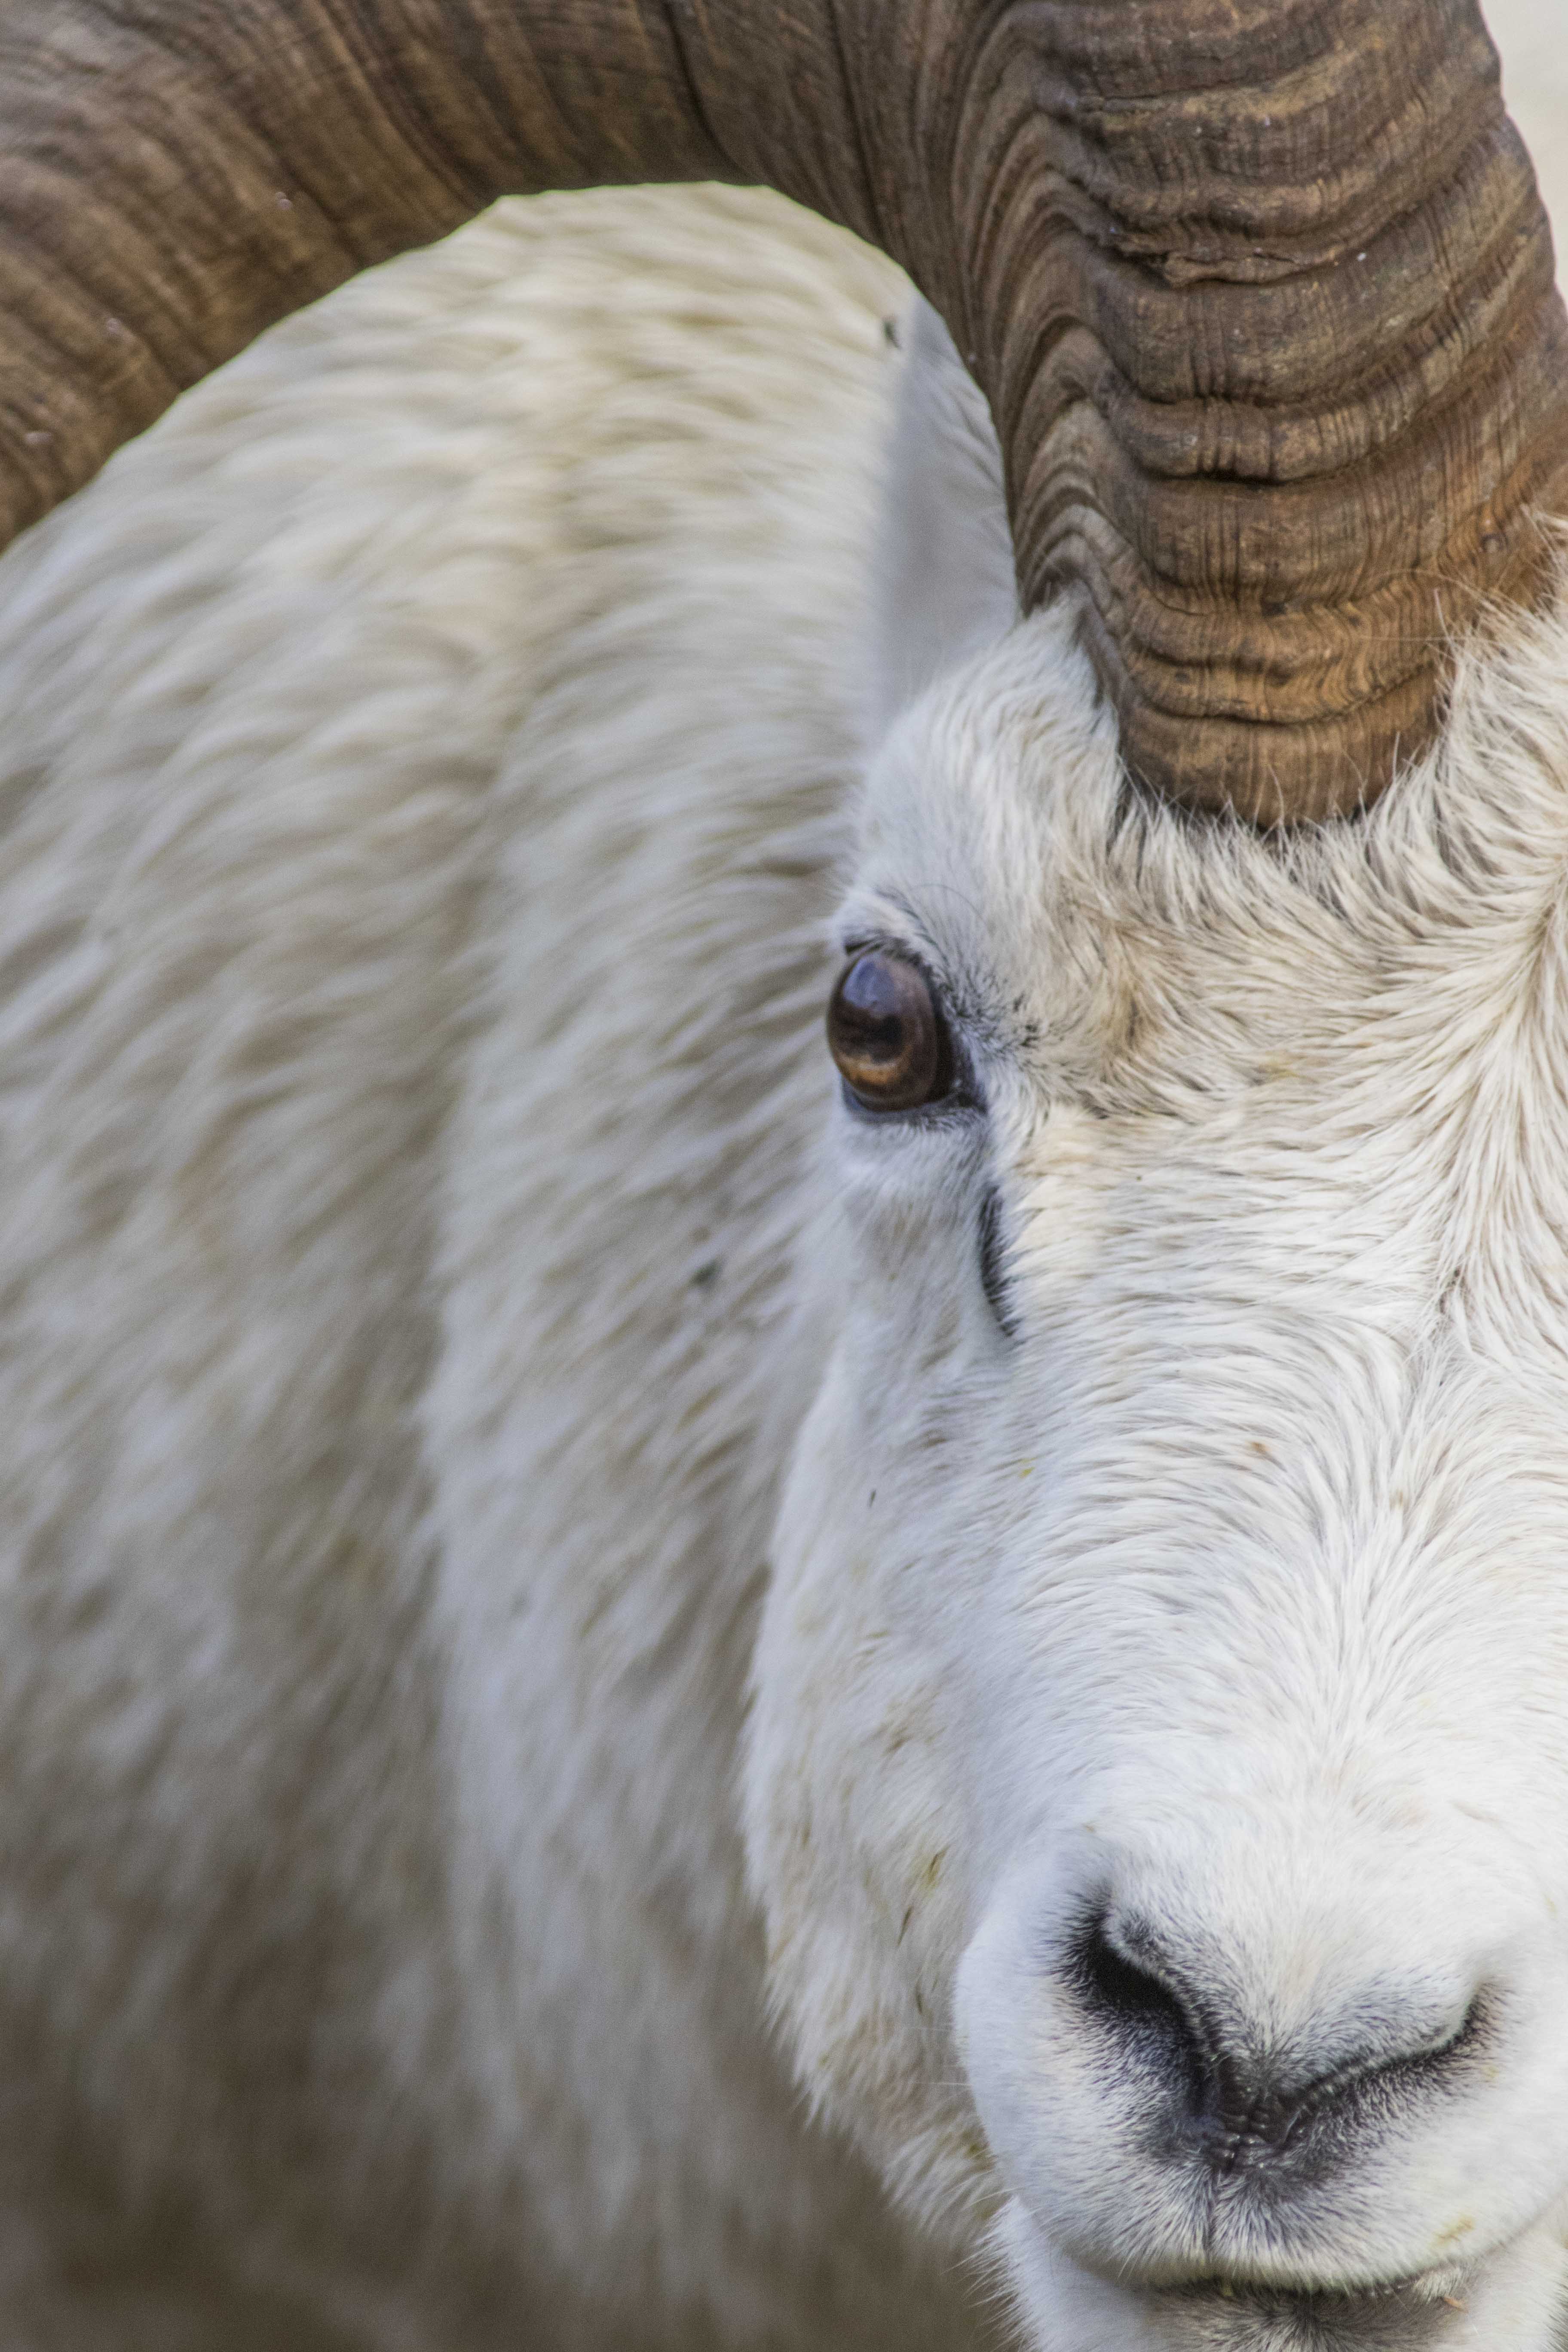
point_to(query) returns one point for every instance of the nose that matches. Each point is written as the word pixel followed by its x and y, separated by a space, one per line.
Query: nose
pixel 1251 2081
pixel 1303 2055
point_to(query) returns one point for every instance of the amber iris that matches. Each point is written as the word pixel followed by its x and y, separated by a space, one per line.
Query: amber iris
pixel 887 1035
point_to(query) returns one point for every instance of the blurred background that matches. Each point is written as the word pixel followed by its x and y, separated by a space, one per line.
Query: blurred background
pixel 1532 35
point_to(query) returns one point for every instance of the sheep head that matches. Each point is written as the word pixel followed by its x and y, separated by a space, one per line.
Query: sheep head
pixel 1158 1758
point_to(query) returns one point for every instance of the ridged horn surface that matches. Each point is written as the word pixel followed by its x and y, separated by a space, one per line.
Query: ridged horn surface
pixel 1260 290
pixel 1285 377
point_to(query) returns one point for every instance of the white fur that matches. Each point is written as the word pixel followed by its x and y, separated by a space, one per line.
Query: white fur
pixel 558 1668
pixel 424 763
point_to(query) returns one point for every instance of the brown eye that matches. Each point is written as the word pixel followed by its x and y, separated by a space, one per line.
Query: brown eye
pixel 887 1035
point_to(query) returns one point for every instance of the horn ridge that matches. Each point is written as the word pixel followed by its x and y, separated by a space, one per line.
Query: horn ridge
pixel 1291 441
pixel 1282 545
pixel 1253 419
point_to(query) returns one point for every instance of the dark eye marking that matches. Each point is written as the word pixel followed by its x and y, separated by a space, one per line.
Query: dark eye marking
pixel 993 1262
pixel 887 1033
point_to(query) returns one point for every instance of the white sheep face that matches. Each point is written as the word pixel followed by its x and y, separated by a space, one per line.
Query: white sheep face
pixel 1204 1606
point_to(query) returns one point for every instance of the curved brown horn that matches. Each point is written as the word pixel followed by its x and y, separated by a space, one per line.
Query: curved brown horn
pixel 1260 290
pixel 1282 371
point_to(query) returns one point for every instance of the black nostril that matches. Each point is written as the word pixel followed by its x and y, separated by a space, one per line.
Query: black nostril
pixel 1129 1997
pixel 1242 2102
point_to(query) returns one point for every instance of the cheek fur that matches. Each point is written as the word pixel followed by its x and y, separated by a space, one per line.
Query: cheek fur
pixel 855 1824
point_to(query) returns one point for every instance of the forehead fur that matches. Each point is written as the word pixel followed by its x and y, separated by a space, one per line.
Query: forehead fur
pixel 1330 1068
pixel 1142 958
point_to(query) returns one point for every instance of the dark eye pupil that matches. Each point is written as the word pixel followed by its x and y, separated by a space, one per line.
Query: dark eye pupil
pixel 874 1018
pixel 887 1035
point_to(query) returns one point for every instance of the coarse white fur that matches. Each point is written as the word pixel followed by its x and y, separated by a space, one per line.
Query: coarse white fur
pixel 558 1666
pixel 426 760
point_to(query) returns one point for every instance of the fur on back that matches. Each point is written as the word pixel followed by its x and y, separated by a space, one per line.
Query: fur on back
pixel 424 761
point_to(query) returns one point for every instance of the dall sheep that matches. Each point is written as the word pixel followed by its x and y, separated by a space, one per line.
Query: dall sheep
pixel 655 1696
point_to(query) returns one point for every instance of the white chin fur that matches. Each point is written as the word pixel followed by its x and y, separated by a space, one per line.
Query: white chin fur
pixel 1519 2303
